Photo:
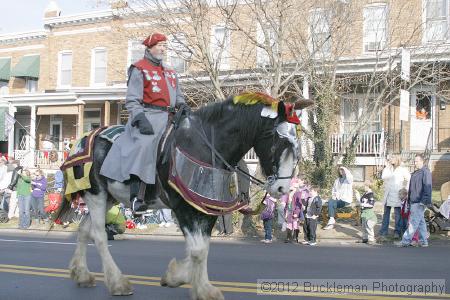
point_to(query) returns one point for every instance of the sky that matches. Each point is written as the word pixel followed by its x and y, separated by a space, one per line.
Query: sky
pixel 27 15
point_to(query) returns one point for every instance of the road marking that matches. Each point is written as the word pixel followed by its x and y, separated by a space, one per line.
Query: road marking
pixel 237 287
pixel 41 242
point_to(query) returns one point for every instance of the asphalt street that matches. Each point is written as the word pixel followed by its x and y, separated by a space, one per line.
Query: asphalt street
pixel 35 267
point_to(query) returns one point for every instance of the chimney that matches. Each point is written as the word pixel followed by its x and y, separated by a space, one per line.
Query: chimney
pixel 52 10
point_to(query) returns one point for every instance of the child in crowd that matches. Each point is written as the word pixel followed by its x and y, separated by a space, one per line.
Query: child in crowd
pixel 38 186
pixel 404 213
pixel 293 211
pixel 312 208
pixel 266 216
pixel 368 217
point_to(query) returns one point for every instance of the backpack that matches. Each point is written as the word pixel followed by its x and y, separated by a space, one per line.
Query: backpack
pixel 268 211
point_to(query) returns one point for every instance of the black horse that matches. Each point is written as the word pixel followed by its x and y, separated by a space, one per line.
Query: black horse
pixel 237 128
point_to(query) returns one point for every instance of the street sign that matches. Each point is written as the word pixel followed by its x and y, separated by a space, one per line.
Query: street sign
pixel 406 64
pixel 404 105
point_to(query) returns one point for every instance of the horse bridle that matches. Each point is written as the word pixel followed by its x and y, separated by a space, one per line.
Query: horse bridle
pixel 270 179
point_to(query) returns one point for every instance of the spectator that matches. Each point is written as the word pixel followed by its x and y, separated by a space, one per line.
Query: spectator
pixel 5 179
pixel 368 217
pixel 23 196
pixel 281 205
pixel 341 196
pixel 165 216
pixel 225 224
pixel 419 196
pixel 292 213
pixel 11 189
pixel 404 212
pixel 312 209
pixel 115 222
pixel 395 177
pixel 59 181
pixel 267 217
pixel 38 186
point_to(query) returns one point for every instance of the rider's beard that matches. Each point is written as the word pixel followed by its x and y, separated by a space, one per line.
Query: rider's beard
pixel 159 56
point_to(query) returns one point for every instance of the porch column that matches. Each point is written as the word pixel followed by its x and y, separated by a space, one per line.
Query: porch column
pixel 33 128
pixel 80 120
pixel 32 136
pixel 11 110
pixel 107 113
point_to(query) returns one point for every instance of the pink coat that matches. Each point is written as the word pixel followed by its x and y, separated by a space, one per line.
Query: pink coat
pixel 292 209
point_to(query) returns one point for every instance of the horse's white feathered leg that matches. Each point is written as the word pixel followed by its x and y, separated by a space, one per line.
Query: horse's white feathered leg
pixel 117 283
pixel 79 271
pixel 197 244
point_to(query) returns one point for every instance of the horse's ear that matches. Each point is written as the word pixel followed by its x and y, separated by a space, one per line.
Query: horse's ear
pixel 281 111
pixel 301 103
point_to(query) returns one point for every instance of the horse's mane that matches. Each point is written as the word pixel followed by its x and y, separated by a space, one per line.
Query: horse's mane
pixel 244 108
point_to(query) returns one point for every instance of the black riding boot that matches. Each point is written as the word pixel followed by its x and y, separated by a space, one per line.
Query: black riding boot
pixel 137 195
pixel 288 236
pixel 296 232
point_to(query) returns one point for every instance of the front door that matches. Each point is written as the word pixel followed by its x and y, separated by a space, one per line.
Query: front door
pixel 56 133
pixel 421 120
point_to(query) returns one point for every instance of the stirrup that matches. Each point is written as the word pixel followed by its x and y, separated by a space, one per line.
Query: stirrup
pixel 138 206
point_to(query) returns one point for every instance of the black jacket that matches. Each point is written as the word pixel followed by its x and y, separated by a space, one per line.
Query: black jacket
pixel 14 178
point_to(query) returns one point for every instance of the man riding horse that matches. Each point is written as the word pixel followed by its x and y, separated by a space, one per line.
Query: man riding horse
pixel 153 93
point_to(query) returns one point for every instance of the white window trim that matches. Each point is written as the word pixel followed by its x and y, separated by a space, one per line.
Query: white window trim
pixel 60 53
pixel 424 24
pixel 226 55
pixel 360 98
pixel 92 83
pixel 310 41
pixel 171 53
pixel 387 26
pixel 129 51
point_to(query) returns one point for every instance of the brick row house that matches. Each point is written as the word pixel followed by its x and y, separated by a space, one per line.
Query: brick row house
pixel 70 78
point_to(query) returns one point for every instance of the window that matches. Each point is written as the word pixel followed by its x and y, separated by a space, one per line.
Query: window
pixel 136 51
pixel 92 119
pixel 178 52
pixel 65 68
pixel 4 90
pixel 436 20
pixel 98 66
pixel 423 106
pixel 320 33
pixel 262 56
pixel 30 85
pixel 56 131
pixel 375 27
pixel 352 111
pixel 220 47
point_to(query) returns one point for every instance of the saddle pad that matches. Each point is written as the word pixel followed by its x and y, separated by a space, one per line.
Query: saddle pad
pixel 112 133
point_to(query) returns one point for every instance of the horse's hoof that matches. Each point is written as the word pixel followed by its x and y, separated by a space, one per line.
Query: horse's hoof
pixel 122 288
pixel 83 279
pixel 170 278
pixel 208 293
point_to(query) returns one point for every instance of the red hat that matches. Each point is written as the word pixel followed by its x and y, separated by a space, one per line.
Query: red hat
pixel 154 39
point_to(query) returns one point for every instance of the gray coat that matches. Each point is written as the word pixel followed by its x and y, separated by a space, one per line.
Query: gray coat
pixel 134 153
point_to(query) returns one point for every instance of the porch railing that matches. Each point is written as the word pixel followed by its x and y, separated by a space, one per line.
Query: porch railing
pixel 250 157
pixel 370 143
pixel 443 136
pixel 41 159
pixel 49 159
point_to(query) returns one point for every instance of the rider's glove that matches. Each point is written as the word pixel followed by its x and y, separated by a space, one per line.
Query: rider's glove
pixel 183 106
pixel 141 122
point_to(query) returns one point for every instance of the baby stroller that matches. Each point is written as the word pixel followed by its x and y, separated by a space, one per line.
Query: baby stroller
pixel 438 219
